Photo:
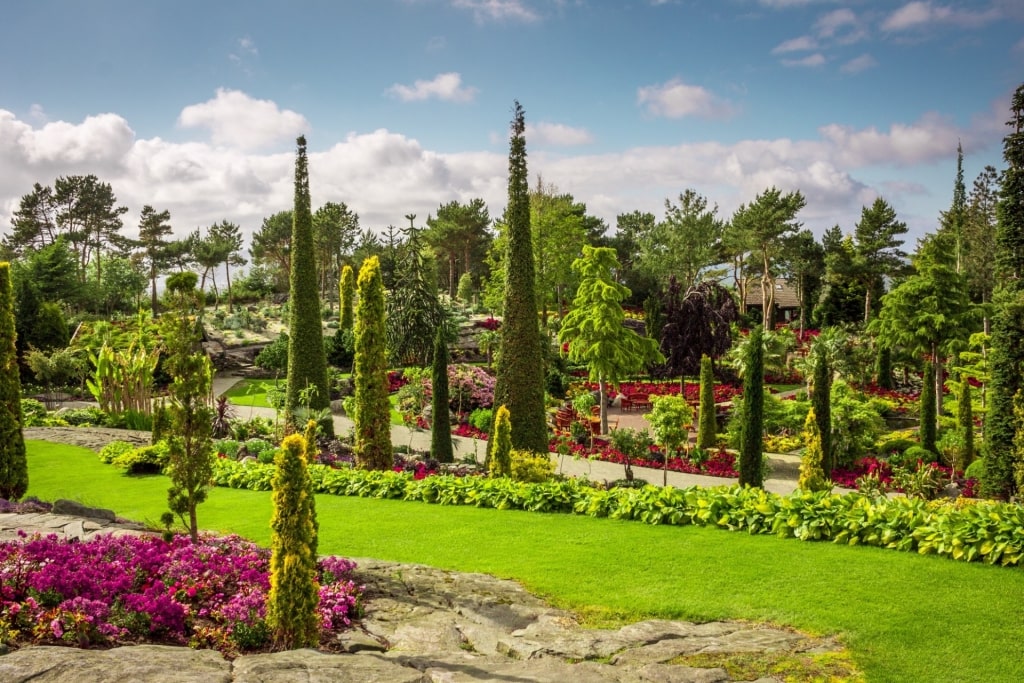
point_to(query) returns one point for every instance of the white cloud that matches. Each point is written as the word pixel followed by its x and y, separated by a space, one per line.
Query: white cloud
pixel 446 86
pixel 920 14
pixel 815 60
pixel 828 24
pixel 783 4
pixel 858 64
pixel 245 50
pixel 676 99
pixel 235 119
pixel 556 134
pixel 497 10
pixel 383 174
pixel 800 44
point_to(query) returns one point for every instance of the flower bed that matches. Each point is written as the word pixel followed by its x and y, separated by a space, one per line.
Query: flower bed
pixel 115 590
pixel 691 392
pixel 721 463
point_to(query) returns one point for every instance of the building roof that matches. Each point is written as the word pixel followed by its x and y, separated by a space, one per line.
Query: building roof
pixel 785 294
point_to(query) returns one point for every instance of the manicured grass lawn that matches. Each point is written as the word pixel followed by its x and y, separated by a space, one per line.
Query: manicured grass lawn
pixel 905 617
pixel 253 392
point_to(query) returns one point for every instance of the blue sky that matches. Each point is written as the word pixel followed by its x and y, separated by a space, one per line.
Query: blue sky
pixel 194 106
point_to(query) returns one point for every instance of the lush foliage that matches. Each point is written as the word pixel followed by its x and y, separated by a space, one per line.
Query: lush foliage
pixel 292 601
pixel 13 463
pixel 441 433
pixel 307 361
pixel 812 476
pixel 520 373
pixel 499 452
pixel 116 589
pixel 752 426
pixel 707 426
pixel 370 374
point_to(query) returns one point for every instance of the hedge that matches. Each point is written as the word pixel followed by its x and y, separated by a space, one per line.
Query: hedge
pixel 966 530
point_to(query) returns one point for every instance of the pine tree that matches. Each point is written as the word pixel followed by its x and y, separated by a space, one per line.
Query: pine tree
pixel 883 367
pixel 370 373
pixel 821 403
pixel 440 430
pixel 927 430
pixel 965 420
pixel 347 294
pixel 706 427
pixel 500 463
pixel 191 447
pixel 1007 342
pixel 294 594
pixel 520 374
pixel 13 461
pixel 752 432
pixel 307 360
pixel 812 476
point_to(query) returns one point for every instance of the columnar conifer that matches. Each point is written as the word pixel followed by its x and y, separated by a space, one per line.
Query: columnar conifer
pixel 821 402
pixel 370 375
pixel 1007 357
pixel 500 464
pixel 883 367
pixel 520 374
pixel 752 431
pixel 347 294
pixel 812 476
pixel 294 594
pixel 13 463
pixel 440 430
pixel 706 427
pixel 191 452
pixel 965 420
pixel 307 360
pixel 927 429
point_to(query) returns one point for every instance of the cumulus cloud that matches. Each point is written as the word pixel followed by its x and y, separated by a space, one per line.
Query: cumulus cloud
pixel 858 64
pixel 556 134
pixel 921 14
pixel 235 119
pixel 676 99
pixel 446 86
pixel 383 174
pixel 817 59
pixel 498 10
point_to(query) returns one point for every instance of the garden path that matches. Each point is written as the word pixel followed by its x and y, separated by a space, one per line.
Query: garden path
pixel 784 468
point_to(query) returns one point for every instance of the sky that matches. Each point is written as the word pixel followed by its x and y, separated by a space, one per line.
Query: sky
pixel 194 106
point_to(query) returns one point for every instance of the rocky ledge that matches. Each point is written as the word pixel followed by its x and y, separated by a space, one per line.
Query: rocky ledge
pixel 424 624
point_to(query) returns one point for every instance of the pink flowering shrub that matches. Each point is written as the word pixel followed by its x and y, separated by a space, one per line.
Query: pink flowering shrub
pixel 113 590
pixel 469 387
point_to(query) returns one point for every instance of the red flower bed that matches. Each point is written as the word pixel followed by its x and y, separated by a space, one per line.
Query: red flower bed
pixel 488 324
pixel 691 392
pixel 720 464
pixel 902 399
pixel 396 380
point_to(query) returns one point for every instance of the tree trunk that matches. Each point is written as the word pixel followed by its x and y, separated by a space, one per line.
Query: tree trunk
pixel 939 382
pixel 867 303
pixel 604 406
pixel 152 280
pixel 227 274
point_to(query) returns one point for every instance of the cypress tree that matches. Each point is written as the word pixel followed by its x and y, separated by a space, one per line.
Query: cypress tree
pixel 307 360
pixel 752 431
pixel 927 430
pixel 812 476
pixel 883 367
pixel 520 374
pixel 706 427
pixel 309 509
pixel 821 403
pixel 370 373
pixel 500 464
pixel 347 294
pixel 440 431
pixel 1007 342
pixel 965 420
pixel 13 462
pixel 294 594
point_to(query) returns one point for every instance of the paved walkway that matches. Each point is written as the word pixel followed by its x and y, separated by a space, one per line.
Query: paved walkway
pixel 782 480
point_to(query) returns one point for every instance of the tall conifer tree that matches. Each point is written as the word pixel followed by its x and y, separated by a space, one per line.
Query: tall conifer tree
pixel 347 292
pixel 821 402
pixel 928 431
pixel 370 373
pixel 307 360
pixel 752 432
pixel 520 376
pixel 13 463
pixel 1007 358
pixel 440 429
pixel 706 426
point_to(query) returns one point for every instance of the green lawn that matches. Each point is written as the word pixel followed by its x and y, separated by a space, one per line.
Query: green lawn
pixel 905 617
pixel 253 392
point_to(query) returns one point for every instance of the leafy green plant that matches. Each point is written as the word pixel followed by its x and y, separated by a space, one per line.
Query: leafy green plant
pixel 923 481
pixel 112 450
pixel 145 459
pixel 531 467
pixel 481 418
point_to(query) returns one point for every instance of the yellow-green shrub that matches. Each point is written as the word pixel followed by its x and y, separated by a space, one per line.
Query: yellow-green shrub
pixel 531 467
